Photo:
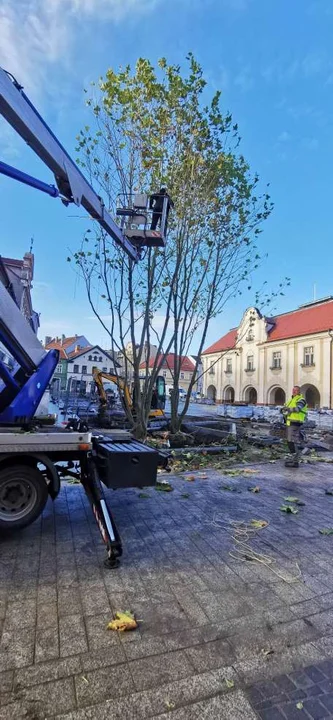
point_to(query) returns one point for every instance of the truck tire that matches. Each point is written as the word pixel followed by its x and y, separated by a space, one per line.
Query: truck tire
pixel 23 496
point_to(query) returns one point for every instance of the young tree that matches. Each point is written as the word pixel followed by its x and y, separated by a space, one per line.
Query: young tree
pixel 154 128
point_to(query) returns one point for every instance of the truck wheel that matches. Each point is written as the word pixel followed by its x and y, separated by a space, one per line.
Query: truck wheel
pixel 23 496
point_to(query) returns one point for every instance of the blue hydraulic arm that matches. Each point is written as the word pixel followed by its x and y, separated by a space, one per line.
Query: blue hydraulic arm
pixel 26 179
pixel 72 186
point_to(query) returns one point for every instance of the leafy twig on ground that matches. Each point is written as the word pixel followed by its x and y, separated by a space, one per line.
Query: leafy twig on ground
pixel 288 509
pixel 163 487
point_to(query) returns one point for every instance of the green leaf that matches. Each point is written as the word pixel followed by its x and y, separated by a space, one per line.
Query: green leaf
pixel 143 495
pixel 326 531
pixel 292 499
pixel 185 496
pixel 230 488
pixel 163 487
pixel 288 509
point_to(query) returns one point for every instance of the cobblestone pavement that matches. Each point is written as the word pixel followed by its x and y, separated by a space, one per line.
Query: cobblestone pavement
pixel 218 637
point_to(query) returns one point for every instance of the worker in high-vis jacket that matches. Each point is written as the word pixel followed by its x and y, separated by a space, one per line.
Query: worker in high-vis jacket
pixel 294 413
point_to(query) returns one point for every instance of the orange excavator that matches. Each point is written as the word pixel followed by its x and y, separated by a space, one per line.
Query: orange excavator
pixel 158 399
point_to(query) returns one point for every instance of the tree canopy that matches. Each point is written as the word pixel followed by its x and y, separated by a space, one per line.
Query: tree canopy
pixel 153 127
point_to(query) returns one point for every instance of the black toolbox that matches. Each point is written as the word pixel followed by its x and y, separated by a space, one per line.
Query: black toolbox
pixel 125 462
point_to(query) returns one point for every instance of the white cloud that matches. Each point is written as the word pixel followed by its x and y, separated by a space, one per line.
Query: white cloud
pixel 284 137
pixel 224 78
pixel 310 143
pixel 35 34
pixel 244 80
pixel 288 70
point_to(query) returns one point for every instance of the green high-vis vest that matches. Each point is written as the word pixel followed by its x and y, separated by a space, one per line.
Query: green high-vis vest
pixel 296 417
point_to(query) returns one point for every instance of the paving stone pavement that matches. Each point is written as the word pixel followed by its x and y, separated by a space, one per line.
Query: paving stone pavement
pixel 219 636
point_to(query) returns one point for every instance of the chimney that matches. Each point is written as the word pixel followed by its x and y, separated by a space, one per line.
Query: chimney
pixel 47 339
pixel 77 347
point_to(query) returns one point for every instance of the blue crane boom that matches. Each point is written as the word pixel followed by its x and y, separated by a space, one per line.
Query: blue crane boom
pixel 72 186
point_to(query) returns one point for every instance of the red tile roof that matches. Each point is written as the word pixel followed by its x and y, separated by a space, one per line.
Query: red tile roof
pixel 169 362
pixel 304 321
pixel 65 342
pixel 79 351
pixel 314 318
pixel 57 346
pixel 226 342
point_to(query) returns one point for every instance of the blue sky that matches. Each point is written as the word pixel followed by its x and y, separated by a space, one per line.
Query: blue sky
pixel 273 61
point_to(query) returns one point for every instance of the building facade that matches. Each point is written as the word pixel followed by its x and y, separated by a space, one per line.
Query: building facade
pixel 264 357
pixel 17 276
pixel 80 366
pixel 167 369
pixel 65 345
pixel 125 360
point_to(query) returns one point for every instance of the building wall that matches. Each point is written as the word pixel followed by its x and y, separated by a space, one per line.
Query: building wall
pixel 168 377
pixel 80 369
pixel 18 275
pixel 59 379
pixel 264 378
pixel 148 351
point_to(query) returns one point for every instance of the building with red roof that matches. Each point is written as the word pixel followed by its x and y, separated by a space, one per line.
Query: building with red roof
pixel 78 359
pixel 261 359
pixel 187 368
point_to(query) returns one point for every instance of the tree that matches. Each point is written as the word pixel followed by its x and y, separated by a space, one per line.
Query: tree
pixel 153 128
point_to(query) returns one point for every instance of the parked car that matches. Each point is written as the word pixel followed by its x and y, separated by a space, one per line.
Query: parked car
pixel 86 412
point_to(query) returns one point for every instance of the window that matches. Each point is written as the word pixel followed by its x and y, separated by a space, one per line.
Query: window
pixel 100 358
pixel 111 371
pixel 90 358
pixel 250 362
pixel 212 369
pixel 308 355
pixel 276 360
pixel 76 369
pixel 250 336
pixel 182 376
pixel 104 369
pixel 164 373
pixel 95 358
pixel 229 365
pixel 84 369
pixel 59 368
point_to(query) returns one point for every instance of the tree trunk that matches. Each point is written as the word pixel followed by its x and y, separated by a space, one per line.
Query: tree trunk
pixel 139 429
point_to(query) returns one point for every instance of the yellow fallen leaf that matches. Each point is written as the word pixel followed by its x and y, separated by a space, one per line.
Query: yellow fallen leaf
pixel 299 706
pixel 170 705
pixel 229 683
pixel 259 523
pixel 203 476
pixel 190 478
pixel 123 621
pixel 250 471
